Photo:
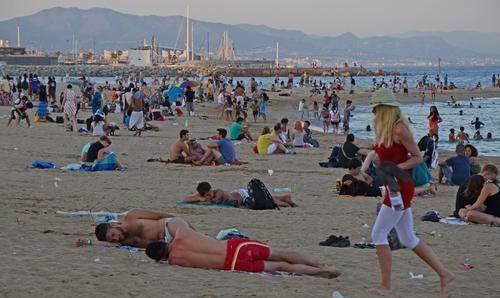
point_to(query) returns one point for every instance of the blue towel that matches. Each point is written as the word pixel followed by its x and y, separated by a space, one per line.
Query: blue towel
pixel 41 164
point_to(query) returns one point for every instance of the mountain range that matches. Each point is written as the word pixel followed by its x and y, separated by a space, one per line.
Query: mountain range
pixel 99 28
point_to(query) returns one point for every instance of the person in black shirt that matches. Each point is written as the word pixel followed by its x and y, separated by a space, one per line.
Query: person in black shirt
pixel 189 101
pixel 97 151
pixel 348 151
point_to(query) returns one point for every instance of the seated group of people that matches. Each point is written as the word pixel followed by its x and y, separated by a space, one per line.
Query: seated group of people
pixel 456 170
pixel 361 178
pixel 478 197
pixel 172 239
pixel 279 140
pixel 188 151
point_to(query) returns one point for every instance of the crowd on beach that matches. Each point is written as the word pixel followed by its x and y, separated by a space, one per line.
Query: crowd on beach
pixel 393 166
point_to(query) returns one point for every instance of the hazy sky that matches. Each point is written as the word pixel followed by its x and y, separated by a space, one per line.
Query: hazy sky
pixel 322 17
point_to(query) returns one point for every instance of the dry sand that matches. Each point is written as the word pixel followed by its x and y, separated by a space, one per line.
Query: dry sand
pixel 39 258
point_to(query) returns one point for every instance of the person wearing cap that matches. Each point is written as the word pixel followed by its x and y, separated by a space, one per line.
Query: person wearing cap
pixel 99 125
pixel 394 143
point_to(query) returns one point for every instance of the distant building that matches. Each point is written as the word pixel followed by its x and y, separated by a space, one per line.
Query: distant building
pixel 12 51
pixel 139 57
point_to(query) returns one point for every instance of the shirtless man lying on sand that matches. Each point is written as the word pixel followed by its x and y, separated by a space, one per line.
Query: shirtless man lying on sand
pixel 236 197
pixel 190 248
pixel 138 228
pixel 179 151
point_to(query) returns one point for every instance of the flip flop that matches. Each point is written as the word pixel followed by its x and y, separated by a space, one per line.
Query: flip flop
pixel 387 171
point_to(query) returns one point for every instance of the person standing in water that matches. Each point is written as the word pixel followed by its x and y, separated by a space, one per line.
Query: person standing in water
pixel 434 120
pixel 394 143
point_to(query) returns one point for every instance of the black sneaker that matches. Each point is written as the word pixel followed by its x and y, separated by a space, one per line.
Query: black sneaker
pixel 341 242
pixel 328 240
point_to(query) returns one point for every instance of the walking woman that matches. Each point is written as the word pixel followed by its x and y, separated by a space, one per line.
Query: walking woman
pixel 70 108
pixel 394 143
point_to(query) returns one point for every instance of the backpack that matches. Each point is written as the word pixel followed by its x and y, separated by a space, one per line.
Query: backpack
pixel 260 198
pixel 335 117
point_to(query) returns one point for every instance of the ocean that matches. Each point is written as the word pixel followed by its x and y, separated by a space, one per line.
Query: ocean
pixel 487 109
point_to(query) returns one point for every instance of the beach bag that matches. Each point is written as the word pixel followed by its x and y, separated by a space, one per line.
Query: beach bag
pixel 260 198
pixel 420 174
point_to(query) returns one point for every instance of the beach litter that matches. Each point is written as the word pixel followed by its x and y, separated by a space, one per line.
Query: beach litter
pixel 337 294
pixel 416 276
pixel 467 266
pixel 270 172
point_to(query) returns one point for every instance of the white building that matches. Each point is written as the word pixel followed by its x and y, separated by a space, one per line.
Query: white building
pixel 139 57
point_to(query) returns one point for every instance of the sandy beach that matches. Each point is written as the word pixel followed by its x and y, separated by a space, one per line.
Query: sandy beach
pixel 39 258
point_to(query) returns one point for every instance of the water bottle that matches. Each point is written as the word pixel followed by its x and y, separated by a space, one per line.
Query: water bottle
pixel 396 200
pixel 282 189
pixel 186 124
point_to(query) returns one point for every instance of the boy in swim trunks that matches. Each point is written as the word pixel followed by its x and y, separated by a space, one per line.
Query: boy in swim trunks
pixel 237 197
pixel 190 248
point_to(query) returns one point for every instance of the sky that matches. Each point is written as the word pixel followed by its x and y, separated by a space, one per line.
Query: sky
pixel 321 17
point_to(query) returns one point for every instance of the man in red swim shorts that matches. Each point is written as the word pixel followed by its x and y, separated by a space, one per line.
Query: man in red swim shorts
pixel 190 248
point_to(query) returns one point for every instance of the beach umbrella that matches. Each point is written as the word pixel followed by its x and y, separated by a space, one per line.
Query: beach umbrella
pixel 173 93
pixel 192 84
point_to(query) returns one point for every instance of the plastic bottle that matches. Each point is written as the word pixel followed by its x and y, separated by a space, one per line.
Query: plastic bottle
pixel 396 200
pixel 282 189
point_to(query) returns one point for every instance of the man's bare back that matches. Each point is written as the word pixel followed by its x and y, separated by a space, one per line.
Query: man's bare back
pixel 140 232
pixel 207 253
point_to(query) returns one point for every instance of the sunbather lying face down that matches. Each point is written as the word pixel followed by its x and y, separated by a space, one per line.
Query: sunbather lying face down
pixel 138 229
pixel 237 197
pixel 196 250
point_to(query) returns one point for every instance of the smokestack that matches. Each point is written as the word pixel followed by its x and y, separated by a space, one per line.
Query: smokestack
pixel 192 41
pixel 18 37
pixel 187 35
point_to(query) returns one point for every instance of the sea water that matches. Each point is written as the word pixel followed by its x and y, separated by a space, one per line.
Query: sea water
pixel 487 113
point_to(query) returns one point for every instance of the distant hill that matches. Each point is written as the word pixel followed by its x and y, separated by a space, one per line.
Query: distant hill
pixel 52 29
pixel 486 43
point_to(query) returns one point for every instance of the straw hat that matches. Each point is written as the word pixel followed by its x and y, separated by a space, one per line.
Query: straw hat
pixel 384 97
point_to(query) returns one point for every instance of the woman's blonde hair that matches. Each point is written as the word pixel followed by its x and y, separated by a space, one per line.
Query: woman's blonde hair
pixel 386 117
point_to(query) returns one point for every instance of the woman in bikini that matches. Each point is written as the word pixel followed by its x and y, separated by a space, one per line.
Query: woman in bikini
pixel 434 120
pixel 394 143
